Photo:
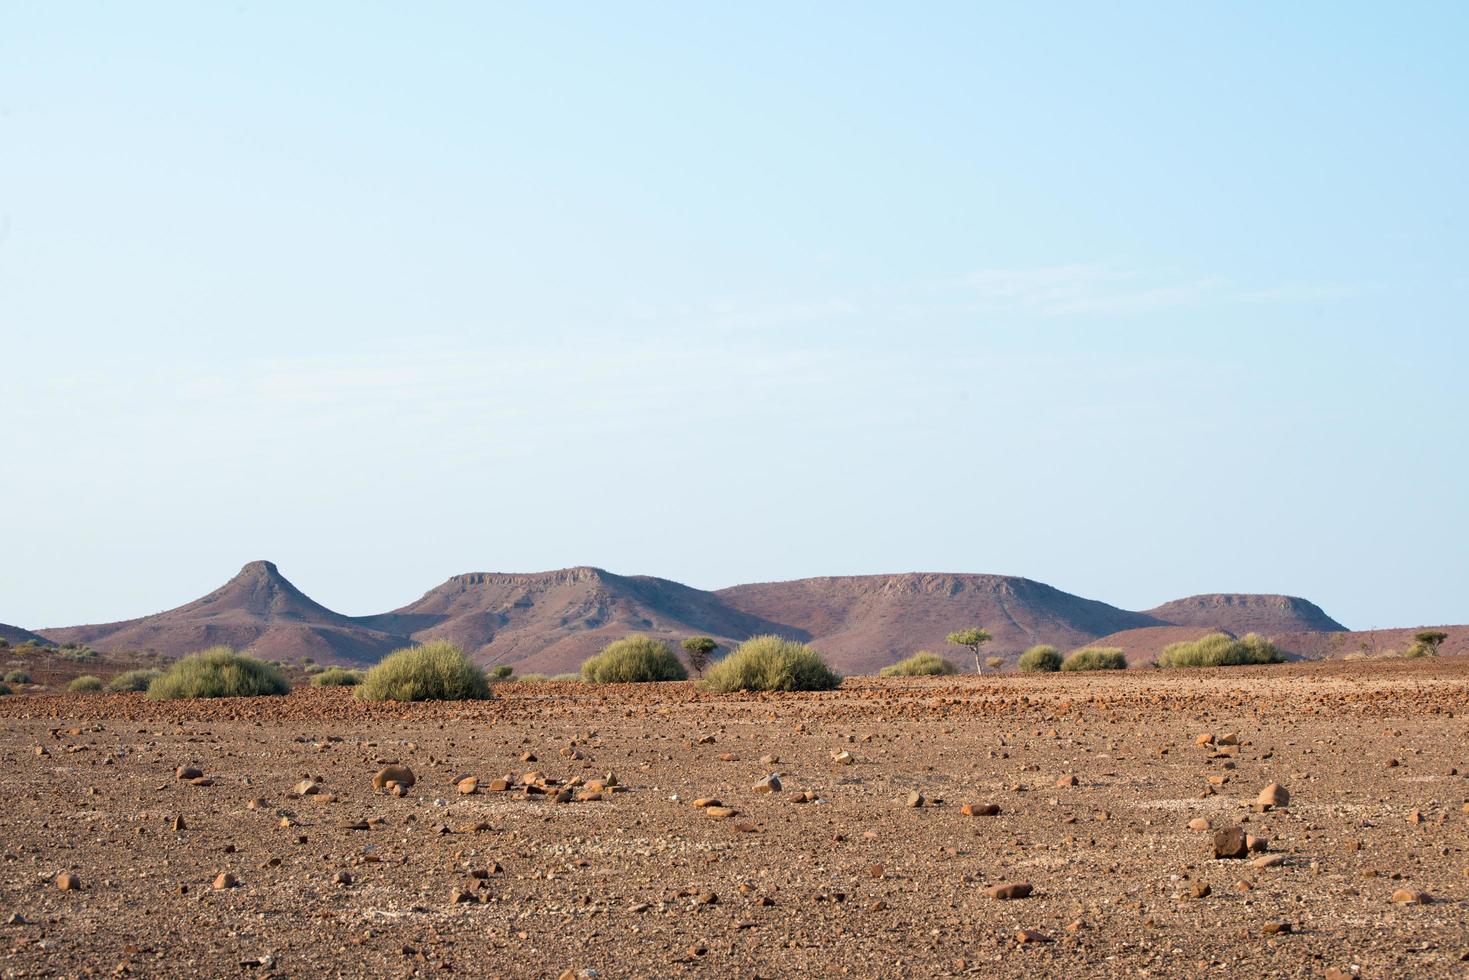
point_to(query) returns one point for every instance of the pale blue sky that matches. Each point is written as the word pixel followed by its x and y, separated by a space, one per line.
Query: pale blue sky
pixel 1140 300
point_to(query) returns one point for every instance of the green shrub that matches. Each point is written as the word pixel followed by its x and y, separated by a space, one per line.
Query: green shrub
pixel 337 677
pixel 218 672
pixel 18 677
pixel 921 664
pixel 5 690
pixel 1040 659
pixel 133 680
pixel 316 668
pixel 85 684
pixel 570 678
pixel 1220 650
pixel 771 663
pixel 1095 658
pixel 634 660
pixel 501 672
pixel 434 671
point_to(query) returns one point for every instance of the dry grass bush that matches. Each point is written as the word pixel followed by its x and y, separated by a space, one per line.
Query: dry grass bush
pixel 433 671
pixel 337 677
pixel 635 659
pixel 133 681
pixel 1220 650
pixel 922 664
pixel 217 672
pixel 771 663
pixel 1040 659
pixel 1095 658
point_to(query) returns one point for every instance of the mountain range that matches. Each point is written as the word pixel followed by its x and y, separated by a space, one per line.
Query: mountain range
pixel 550 621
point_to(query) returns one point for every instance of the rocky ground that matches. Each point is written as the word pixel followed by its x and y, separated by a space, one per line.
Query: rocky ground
pixel 281 858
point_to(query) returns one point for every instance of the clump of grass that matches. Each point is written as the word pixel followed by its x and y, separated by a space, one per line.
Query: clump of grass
pixel 435 671
pixel 133 680
pixel 17 677
pixel 535 678
pixel 501 672
pixel 337 677
pixel 315 669
pixel 994 663
pixel 218 672
pixel 634 659
pixel 1220 650
pixel 1095 658
pixel 924 663
pixel 85 684
pixel 1040 659
pixel 569 678
pixel 771 663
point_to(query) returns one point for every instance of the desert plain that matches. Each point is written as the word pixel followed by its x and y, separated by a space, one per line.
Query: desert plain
pixel 245 837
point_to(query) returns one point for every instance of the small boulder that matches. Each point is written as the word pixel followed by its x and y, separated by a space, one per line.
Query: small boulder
pixel 1230 844
pixel 401 775
pixel 1274 795
pixel 1010 891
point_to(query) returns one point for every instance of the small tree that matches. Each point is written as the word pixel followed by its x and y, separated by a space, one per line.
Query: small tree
pixel 1430 640
pixel 971 639
pixel 698 650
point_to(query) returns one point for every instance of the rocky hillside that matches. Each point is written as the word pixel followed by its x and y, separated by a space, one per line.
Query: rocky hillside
pixel 258 609
pixel 1247 613
pixel 864 622
pixel 14 634
pixel 550 622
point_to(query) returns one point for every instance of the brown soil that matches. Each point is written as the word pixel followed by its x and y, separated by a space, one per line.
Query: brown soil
pixel 641 883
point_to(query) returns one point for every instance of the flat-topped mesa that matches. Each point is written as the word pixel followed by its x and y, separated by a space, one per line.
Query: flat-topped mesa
pixel 561 576
pixel 1242 613
pixel 864 622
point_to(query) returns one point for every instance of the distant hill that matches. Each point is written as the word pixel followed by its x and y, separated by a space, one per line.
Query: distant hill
pixel 863 622
pixel 14 634
pixel 258 609
pixel 1315 646
pixel 549 622
pixel 1240 614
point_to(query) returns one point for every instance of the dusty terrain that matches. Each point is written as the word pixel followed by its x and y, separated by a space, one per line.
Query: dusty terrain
pixel 354 881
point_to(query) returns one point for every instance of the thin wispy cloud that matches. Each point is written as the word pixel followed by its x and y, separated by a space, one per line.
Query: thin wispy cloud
pixel 1110 290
